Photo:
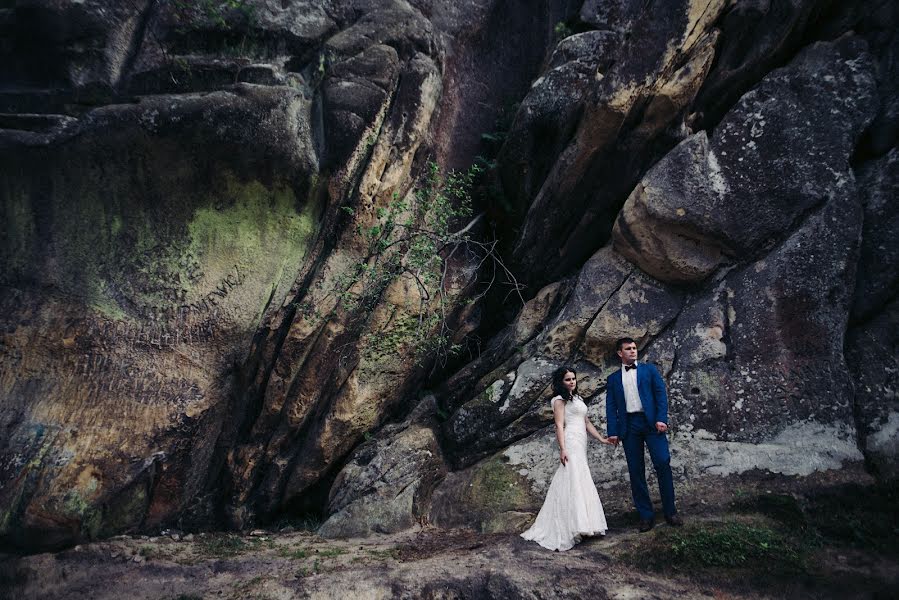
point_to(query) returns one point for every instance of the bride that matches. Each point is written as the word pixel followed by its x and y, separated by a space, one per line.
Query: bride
pixel 572 508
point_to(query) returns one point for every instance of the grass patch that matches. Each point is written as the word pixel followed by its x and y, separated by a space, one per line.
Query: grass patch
pixel 727 544
pixel 305 522
pixel 390 553
pixel 221 546
pixel 783 508
pixel 855 516
pixel 864 517
pixel 329 552
pixel 293 553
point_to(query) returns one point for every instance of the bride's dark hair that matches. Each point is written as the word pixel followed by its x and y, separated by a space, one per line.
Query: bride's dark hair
pixel 559 388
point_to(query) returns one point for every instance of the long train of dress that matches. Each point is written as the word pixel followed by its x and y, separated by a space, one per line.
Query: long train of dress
pixel 572 508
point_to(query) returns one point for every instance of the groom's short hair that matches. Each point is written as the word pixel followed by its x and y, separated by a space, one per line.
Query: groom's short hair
pixel 622 341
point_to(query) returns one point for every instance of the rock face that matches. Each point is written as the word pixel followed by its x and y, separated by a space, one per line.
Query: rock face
pixel 769 161
pixel 871 341
pixel 188 189
pixel 387 483
pixel 134 279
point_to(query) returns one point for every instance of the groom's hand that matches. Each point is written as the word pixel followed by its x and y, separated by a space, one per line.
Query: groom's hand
pixel 661 427
pixel 613 439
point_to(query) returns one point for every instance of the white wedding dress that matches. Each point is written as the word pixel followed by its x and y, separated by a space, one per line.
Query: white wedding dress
pixel 572 508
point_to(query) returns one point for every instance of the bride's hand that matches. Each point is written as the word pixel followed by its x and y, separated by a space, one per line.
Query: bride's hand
pixel 563 456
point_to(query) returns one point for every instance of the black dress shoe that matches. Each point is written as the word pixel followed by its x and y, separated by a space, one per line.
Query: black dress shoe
pixel 646 525
pixel 674 520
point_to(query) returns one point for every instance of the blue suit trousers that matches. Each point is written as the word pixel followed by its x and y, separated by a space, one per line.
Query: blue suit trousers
pixel 640 432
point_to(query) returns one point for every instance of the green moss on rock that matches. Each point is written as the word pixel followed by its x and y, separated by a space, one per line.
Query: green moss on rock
pixel 496 486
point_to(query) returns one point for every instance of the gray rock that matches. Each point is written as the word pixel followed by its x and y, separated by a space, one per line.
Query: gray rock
pixel 641 308
pixel 79 44
pixel 593 48
pixel 611 15
pixel 491 496
pixel 763 348
pixel 878 265
pixel 485 422
pixel 777 154
pixel 599 278
pixel 354 96
pixel 627 120
pixel 872 349
pixel 387 483
pixel 547 118
pixel 757 36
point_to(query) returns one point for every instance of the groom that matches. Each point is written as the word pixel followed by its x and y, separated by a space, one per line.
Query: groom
pixel 637 415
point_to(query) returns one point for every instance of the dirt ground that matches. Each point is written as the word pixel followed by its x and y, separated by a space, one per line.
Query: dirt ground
pixel 762 538
pixel 426 563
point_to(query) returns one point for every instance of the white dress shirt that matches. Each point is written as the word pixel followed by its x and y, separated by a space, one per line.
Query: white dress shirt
pixel 631 393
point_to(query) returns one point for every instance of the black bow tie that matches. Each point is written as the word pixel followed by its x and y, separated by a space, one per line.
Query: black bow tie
pixel 629 367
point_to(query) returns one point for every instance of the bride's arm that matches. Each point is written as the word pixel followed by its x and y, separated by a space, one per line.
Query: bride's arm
pixel 559 417
pixel 596 434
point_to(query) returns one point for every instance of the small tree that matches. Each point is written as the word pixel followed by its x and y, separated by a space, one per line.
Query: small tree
pixel 417 240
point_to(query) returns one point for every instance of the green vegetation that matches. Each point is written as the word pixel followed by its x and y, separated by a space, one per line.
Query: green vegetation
pixel 860 517
pixel 389 553
pixel 562 30
pixel 410 241
pixel 115 244
pixel 219 545
pixel 293 553
pixel 149 552
pixel 218 13
pixel 783 543
pixel 722 544
pixel 496 487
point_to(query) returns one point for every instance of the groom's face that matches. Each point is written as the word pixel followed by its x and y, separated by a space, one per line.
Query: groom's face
pixel 628 353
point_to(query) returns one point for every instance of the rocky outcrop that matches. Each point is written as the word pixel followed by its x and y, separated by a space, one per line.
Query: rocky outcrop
pixel 655 74
pixel 769 162
pixel 196 325
pixel 189 186
pixel 155 238
pixel 133 282
pixel 754 356
pixel 872 338
pixel 386 485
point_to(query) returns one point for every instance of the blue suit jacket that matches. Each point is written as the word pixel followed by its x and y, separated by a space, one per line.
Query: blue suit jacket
pixel 652 395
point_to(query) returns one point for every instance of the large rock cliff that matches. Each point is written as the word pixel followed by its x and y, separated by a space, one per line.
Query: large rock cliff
pixel 196 329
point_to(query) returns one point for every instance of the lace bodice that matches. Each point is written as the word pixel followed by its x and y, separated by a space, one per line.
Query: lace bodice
pixel 575 424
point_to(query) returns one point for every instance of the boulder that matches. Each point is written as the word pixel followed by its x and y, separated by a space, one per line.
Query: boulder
pixel 386 484
pixel 632 112
pixel 878 266
pixel 872 338
pixel 781 151
pixel 761 350
pixel 871 351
